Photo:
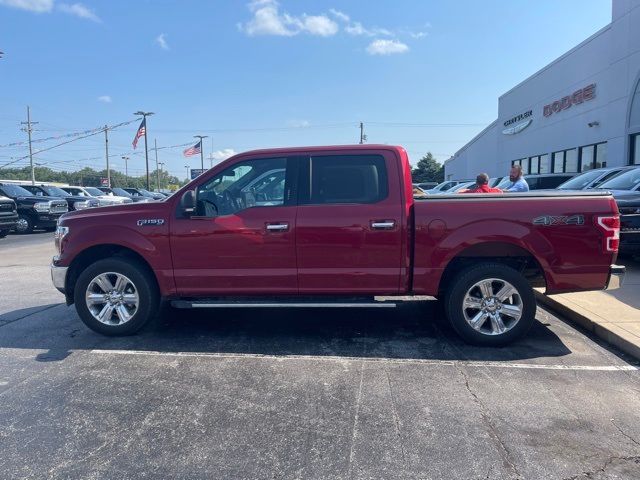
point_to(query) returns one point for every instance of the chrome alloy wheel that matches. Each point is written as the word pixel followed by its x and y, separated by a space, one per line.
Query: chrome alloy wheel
pixel 492 306
pixel 112 298
pixel 22 225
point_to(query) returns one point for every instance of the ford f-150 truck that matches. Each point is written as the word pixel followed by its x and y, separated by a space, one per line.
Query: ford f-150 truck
pixel 334 227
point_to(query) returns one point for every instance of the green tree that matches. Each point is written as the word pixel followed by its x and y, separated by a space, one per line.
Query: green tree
pixel 428 170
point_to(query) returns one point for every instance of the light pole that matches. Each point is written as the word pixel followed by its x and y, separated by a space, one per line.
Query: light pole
pixel 161 165
pixel 187 167
pixel 126 166
pixel 201 149
pixel 146 149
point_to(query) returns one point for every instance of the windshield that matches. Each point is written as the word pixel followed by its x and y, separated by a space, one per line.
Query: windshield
pixel 581 181
pixel 120 192
pixel 504 183
pixel 16 191
pixel 93 191
pixel 146 193
pixel 625 181
pixel 55 191
pixel 443 186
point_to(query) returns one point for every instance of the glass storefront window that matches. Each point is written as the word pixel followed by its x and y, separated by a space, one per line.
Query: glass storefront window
pixel 534 165
pixel 571 160
pixel 558 162
pixel 635 149
pixel 601 155
pixel 586 156
pixel 544 164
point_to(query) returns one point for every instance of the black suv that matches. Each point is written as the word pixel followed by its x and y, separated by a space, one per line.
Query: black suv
pixel 74 202
pixel 8 216
pixel 34 212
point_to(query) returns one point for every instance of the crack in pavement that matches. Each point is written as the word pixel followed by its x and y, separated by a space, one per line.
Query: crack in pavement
pixel 3 323
pixel 607 463
pixel 395 417
pixel 491 428
pixel 623 433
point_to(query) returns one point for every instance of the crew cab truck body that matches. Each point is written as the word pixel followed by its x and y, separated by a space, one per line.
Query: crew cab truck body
pixel 8 216
pixel 34 211
pixel 334 226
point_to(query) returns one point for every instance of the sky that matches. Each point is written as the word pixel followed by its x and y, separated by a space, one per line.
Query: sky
pixel 254 74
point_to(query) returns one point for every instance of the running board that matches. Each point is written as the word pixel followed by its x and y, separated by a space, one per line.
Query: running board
pixel 263 304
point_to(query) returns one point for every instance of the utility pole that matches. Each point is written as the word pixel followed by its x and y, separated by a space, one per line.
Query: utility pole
pixel 28 129
pixel 187 167
pixel 146 149
pixel 126 166
pixel 201 149
pixel 161 164
pixel 155 144
pixel 106 152
pixel 363 137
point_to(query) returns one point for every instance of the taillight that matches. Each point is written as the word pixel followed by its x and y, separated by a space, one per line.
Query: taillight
pixel 610 226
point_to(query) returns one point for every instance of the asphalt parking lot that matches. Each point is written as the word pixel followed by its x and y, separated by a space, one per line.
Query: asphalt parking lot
pixel 300 394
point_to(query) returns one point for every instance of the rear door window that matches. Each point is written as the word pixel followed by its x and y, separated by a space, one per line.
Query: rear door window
pixel 340 179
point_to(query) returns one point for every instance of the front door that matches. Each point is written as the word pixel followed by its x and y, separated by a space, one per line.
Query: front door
pixel 349 228
pixel 241 240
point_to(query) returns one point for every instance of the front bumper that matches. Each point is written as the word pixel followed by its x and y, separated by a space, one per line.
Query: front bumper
pixel 8 221
pixel 59 277
pixel 616 277
pixel 46 220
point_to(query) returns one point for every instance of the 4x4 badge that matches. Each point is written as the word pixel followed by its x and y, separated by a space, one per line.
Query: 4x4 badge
pixel 548 220
pixel 150 221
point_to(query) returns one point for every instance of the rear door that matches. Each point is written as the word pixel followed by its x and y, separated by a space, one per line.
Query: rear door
pixel 349 224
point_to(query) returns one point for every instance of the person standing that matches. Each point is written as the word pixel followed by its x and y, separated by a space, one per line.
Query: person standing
pixel 482 186
pixel 518 183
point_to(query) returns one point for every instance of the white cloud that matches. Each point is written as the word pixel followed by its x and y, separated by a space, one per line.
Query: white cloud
pixel 161 40
pixel 105 99
pixel 386 47
pixel 269 20
pixel 418 35
pixel 339 15
pixel 299 123
pixel 36 6
pixel 223 154
pixel 79 10
pixel 357 29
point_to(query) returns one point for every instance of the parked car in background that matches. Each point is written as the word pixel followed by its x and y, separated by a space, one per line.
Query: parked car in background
pixel 426 185
pixel 494 181
pixel 591 178
pixel 625 188
pixel 442 187
pixel 541 181
pixel 94 192
pixel 141 192
pixel 120 192
pixel 459 187
pixel 74 202
pixel 8 216
pixel 33 211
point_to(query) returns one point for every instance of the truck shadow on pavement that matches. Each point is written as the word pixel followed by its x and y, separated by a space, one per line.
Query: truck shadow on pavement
pixel 410 331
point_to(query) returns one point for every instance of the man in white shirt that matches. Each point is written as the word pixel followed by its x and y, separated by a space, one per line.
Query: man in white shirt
pixel 518 183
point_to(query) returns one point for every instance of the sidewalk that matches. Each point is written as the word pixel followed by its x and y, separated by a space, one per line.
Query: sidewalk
pixel 612 315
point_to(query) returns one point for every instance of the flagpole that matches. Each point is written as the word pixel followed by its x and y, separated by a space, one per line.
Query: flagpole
pixel 146 148
pixel 201 149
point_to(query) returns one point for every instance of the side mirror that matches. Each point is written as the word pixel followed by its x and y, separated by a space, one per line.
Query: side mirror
pixel 188 202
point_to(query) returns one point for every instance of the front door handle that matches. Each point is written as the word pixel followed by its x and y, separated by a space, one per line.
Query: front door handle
pixel 383 224
pixel 277 227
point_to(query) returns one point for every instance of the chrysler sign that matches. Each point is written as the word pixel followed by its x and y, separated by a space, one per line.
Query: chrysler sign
pixel 579 96
pixel 518 123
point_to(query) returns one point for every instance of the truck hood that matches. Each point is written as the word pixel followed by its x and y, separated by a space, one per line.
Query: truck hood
pixel 114 213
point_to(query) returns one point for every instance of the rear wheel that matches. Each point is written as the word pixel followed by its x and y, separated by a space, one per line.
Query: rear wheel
pixel 490 304
pixel 116 296
pixel 24 224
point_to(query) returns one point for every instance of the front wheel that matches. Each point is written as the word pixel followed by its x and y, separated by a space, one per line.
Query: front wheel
pixel 116 296
pixel 490 305
pixel 24 224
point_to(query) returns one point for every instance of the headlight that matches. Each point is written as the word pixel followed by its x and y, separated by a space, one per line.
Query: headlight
pixel 42 206
pixel 60 233
pixel 81 205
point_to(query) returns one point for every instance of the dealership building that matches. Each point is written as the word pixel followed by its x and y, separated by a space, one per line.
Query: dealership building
pixel 582 111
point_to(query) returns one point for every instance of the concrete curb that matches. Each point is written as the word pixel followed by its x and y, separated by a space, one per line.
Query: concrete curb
pixel 585 322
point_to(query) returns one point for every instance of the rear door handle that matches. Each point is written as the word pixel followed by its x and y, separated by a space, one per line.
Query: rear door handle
pixel 383 224
pixel 277 227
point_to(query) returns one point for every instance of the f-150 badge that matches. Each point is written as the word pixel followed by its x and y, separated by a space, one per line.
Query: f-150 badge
pixel 150 221
pixel 548 220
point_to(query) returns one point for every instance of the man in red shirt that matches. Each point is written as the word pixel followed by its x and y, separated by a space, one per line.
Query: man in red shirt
pixel 482 186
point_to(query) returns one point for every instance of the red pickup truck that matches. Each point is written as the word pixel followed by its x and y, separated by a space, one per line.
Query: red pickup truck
pixel 334 227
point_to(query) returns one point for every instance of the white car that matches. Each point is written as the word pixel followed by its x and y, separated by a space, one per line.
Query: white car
pixel 103 198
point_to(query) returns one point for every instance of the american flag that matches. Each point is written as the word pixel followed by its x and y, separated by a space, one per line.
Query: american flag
pixel 195 150
pixel 142 131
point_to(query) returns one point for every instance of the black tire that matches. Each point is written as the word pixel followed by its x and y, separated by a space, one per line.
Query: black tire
pixel 140 277
pixel 4 233
pixel 465 280
pixel 24 225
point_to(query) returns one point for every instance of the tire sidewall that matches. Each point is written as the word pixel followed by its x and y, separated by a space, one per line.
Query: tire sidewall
pixel 463 282
pixel 145 286
pixel 29 227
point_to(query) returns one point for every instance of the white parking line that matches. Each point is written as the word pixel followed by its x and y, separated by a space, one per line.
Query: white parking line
pixel 335 358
